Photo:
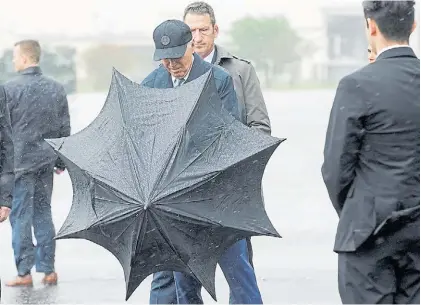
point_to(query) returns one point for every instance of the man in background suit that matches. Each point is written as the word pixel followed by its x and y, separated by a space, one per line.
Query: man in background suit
pixel 173 46
pixel 372 165
pixel 7 176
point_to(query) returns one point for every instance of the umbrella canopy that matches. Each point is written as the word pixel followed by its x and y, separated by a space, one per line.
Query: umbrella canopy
pixel 166 179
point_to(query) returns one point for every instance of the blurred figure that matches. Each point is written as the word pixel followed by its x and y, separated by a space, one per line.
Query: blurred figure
pixel 371 55
pixel 7 177
pixel 38 110
pixel 372 165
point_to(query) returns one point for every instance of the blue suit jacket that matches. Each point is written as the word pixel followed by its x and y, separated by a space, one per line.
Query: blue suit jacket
pixel 160 78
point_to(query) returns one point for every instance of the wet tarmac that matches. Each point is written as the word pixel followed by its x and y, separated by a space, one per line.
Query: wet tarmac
pixel 300 268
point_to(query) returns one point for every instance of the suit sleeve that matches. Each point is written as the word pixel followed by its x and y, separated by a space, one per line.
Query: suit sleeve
pixel 343 141
pixel 65 128
pixel 7 178
pixel 229 97
pixel 65 116
pixel 257 114
pixel 148 81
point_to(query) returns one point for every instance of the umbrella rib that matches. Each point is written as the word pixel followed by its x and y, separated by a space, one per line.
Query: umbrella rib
pixel 120 95
pixel 180 133
pixel 188 188
pixel 99 181
pixel 134 167
pixel 114 162
pixel 191 216
pixel 127 132
pixel 112 220
pixel 161 172
pixel 164 234
pixel 218 136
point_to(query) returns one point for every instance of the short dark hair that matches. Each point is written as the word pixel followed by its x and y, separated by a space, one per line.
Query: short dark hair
pixel 394 18
pixel 200 8
pixel 30 48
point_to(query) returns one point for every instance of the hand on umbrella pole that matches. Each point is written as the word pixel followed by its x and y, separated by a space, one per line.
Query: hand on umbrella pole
pixel 58 171
pixel 4 213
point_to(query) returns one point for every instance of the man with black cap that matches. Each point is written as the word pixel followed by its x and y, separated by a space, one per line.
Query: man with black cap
pixel 173 46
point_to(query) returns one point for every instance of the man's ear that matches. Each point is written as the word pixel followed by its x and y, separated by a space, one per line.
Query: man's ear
pixel 414 26
pixel 372 27
pixel 216 30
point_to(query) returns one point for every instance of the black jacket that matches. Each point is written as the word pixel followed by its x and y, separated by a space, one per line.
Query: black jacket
pixel 7 179
pixel 39 110
pixel 372 152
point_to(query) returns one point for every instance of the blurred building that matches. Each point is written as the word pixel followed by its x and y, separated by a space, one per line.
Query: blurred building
pixel 85 62
pixel 334 30
pixel 340 43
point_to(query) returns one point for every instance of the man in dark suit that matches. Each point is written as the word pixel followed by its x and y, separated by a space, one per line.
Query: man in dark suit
pixel 7 177
pixel 372 165
pixel 38 110
pixel 173 43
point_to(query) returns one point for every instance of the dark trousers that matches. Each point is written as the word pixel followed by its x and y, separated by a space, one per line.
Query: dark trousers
pixel 238 271
pixel 31 208
pixel 382 271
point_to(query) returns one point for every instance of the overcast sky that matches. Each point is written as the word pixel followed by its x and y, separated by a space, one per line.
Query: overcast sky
pixel 81 17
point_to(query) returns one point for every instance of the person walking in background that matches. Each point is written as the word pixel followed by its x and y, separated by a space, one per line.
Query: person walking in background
pixel 7 177
pixel 38 110
pixel 371 165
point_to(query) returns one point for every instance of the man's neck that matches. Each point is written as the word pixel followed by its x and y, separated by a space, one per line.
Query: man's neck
pixel 208 53
pixel 29 66
pixel 385 45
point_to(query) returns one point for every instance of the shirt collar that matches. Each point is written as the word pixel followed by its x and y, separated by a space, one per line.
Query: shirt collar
pixel 185 76
pixel 210 56
pixel 392 47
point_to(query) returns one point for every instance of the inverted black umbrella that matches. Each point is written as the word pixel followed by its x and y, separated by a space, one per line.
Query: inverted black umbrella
pixel 166 180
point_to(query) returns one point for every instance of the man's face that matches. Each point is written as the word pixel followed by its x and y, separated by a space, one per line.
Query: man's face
pixel 179 67
pixel 371 55
pixel 19 60
pixel 204 33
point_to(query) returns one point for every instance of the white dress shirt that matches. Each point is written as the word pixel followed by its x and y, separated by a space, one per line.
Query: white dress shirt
pixel 210 56
pixel 392 47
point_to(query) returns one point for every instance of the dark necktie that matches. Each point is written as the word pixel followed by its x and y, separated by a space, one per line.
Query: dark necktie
pixel 179 82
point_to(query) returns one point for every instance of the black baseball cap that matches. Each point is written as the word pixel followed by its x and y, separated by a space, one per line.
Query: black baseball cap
pixel 171 38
